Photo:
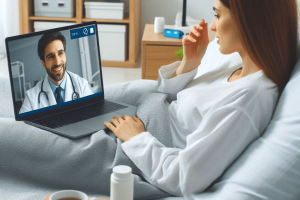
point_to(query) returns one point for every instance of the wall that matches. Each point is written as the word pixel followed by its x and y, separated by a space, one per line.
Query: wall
pixel 9 22
pixel 168 9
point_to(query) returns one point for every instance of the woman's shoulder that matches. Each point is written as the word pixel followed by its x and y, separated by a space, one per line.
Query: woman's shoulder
pixel 260 84
pixel 255 89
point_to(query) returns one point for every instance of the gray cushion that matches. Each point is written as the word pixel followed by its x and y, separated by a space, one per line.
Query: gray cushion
pixel 6 104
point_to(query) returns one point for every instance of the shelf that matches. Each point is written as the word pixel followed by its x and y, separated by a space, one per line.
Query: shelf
pixel 52 19
pixel 125 20
pixel 133 23
pixel 35 18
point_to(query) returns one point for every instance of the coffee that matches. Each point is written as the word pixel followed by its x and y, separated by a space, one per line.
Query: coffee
pixel 69 198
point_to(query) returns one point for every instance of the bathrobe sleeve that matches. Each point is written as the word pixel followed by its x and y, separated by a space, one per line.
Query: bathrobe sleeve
pixel 176 84
pixel 220 138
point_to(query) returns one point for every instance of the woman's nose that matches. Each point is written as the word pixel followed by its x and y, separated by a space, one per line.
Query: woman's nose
pixel 213 26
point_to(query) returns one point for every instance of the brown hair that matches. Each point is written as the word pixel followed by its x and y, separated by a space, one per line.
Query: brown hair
pixel 269 32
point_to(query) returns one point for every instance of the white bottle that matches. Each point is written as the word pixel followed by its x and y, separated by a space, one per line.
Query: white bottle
pixel 121 183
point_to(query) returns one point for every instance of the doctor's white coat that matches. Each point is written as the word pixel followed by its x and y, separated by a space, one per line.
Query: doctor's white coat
pixel 31 101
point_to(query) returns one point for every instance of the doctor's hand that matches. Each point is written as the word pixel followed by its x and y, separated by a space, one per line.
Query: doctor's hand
pixel 194 48
pixel 125 127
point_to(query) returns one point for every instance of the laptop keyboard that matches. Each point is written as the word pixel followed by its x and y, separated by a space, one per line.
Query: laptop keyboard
pixel 79 114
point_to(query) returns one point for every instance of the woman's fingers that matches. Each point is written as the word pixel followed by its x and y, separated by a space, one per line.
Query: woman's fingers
pixel 118 118
pixel 196 31
pixel 189 39
pixel 204 34
pixel 115 122
pixel 202 22
pixel 135 118
pixel 126 117
pixel 110 126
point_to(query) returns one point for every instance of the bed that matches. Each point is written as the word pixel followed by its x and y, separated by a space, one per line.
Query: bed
pixel 34 162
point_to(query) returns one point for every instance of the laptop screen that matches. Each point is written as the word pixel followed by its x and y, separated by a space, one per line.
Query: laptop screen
pixel 54 68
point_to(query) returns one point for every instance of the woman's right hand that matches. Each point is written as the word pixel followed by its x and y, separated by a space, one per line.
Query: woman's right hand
pixel 194 48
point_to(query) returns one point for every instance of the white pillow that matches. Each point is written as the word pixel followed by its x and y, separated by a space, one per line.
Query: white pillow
pixel 270 167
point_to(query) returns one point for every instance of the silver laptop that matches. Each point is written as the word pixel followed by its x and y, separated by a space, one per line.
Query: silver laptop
pixel 56 81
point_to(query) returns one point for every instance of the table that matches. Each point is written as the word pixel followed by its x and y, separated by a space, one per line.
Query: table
pixel 157 50
pixel 48 197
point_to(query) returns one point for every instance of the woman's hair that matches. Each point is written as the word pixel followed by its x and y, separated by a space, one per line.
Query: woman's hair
pixel 269 31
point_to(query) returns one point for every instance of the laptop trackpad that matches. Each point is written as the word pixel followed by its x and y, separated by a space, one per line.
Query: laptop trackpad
pixel 97 123
pixel 87 126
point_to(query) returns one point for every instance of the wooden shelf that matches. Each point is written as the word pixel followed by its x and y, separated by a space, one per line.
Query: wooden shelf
pixel 119 21
pixel 34 18
pixel 133 21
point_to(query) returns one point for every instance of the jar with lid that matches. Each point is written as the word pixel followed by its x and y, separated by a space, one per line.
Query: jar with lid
pixel 121 183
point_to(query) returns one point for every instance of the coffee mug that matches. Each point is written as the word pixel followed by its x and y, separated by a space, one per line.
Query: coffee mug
pixel 159 24
pixel 68 195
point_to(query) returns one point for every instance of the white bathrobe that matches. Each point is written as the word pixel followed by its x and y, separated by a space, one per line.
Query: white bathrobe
pixel 212 122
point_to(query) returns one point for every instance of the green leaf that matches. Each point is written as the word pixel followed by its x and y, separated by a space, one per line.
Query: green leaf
pixel 179 53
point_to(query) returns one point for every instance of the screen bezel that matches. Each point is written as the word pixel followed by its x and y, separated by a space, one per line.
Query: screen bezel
pixel 69 106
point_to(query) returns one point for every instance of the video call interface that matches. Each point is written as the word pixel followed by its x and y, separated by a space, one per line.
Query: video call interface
pixel 54 69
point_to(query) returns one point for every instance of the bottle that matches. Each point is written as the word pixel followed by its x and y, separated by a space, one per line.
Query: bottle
pixel 121 183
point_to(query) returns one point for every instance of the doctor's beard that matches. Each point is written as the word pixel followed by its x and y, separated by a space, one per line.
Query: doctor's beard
pixel 59 76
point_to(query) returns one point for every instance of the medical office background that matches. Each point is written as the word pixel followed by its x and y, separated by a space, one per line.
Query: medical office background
pixel 197 9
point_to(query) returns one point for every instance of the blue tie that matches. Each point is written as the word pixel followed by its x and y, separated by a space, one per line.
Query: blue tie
pixel 59 98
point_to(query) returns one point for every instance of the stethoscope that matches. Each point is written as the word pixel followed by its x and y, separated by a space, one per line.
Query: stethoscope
pixel 75 95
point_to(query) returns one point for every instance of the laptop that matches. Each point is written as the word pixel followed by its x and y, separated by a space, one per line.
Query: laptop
pixel 56 81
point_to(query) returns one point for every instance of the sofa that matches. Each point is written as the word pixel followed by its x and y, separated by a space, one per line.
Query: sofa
pixel 269 168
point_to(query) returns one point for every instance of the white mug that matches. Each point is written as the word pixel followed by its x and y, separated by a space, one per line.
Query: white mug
pixel 159 24
pixel 68 193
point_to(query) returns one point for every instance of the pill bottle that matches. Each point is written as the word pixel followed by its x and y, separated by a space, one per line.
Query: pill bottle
pixel 121 183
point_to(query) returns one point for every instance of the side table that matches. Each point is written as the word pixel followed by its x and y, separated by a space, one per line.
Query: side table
pixel 157 51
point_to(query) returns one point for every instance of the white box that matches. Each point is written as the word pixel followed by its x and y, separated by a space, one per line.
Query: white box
pixel 41 25
pixel 112 42
pixel 104 10
pixel 54 8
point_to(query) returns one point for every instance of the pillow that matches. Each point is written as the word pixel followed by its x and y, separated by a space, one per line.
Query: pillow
pixel 270 167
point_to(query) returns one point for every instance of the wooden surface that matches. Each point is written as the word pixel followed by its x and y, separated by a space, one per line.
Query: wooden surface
pixel 149 37
pixel 157 51
pixel 133 23
pixel 48 197
pixel 158 56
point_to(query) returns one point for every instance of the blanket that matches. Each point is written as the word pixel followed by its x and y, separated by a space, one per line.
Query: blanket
pixel 35 162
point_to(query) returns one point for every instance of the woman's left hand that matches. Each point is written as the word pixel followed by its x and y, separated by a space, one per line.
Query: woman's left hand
pixel 125 127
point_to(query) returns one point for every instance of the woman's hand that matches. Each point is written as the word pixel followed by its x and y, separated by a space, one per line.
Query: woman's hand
pixel 125 127
pixel 195 44
pixel 194 48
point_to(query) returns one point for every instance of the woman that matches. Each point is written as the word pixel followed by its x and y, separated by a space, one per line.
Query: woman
pixel 217 115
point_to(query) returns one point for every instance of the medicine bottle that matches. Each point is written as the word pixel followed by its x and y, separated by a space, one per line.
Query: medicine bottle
pixel 121 183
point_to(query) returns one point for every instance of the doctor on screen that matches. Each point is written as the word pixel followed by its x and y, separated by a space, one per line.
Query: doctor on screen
pixel 58 85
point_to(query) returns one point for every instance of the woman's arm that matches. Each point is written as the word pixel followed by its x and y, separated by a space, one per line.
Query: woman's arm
pixel 211 148
pixel 174 77
pixel 194 48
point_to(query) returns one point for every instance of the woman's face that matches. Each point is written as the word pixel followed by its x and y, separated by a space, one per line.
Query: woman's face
pixel 226 29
